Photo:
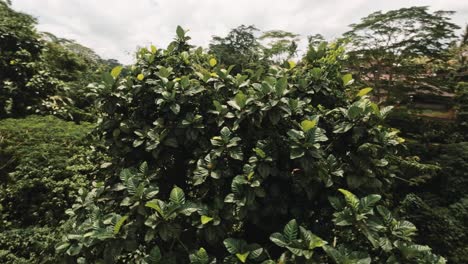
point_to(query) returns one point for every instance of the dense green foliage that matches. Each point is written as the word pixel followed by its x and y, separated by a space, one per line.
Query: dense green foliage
pixel 42 74
pixel 219 164
pixel 440 206
pixel 393 51
pixel 242 49
pixel 237 154
pixel 437 201
pixel 19 50
pixel 44 162
pixel 239 48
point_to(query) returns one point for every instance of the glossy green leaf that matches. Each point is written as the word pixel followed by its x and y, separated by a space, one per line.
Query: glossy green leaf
pixel 364 91
pixel 213 62
pixel 180 32
pixel 116 71
pixel 119 224
pixel 291 230
pixel 308 125
pixel 242 256
pixel 199 257
pixel 347 79
pixel 177 196
pixel 205 219
pixel 350 198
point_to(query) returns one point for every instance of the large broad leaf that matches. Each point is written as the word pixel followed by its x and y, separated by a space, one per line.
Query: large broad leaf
pixel 404 229
pixel 236 153
pixel 385 213
pixel 239 101
pixel 367 203
pixel 180 32
pixel 242 256
pixel 153 49
pixel 298 251
pixel 119 224
pixel 205 219
pixel 296 152
pixel 155 204
pixel 311 239
pixel 308 125
pixel 232 245
pixel 279 239
pixel 342 127
pixel 350 198
pixel 199 257
pixel 364 91
pixel 315 135
pixel 154 256
pixel 291 230
pixel 336 203
pixel 342 255
pixel 255 251
pixel 213 62
pixel 347 79
pixel 116 71
pixel 74 249
pixel 62 246
pixel 281 86
pixel 177 196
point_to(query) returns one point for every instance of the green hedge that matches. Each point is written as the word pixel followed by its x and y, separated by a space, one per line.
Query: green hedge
pixel 43 163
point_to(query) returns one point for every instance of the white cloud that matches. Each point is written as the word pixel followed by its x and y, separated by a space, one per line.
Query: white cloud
pixel 114 28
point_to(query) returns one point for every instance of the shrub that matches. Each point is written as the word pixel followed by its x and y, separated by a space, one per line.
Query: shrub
pixel 29 245
pixel 44 162
pixel 246 168
pixel 439 206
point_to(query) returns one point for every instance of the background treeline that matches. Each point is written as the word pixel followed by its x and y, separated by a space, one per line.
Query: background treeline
pixel 198 156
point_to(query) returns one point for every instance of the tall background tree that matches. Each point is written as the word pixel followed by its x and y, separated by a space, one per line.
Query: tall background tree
pixel 20 48
pixel 239 48
pixel 280 45
pixel 43 74
pixel 388 50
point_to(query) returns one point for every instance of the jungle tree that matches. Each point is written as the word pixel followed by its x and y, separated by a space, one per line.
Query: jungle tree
pixel 388 50
pixel 280 45
pixel 239 48
pixel 19 50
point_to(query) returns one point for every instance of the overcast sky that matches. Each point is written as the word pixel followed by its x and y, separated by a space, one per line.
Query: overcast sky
pixel 114 28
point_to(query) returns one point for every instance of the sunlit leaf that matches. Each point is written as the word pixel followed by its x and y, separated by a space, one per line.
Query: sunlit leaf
pixel 205 219
pixel 116 71
pixel 242 256
pixel 308 125
pixel 364 91
pixel 213 62
pixel 347 79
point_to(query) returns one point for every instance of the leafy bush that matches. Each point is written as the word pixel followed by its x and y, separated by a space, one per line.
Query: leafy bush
pixel 43 74
pixel 29 245
pixel 439 206
pixel 44 161
pixel 216 165
pixel 19 51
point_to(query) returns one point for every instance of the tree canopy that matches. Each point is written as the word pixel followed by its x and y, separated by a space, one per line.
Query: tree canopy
pixel 389 49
